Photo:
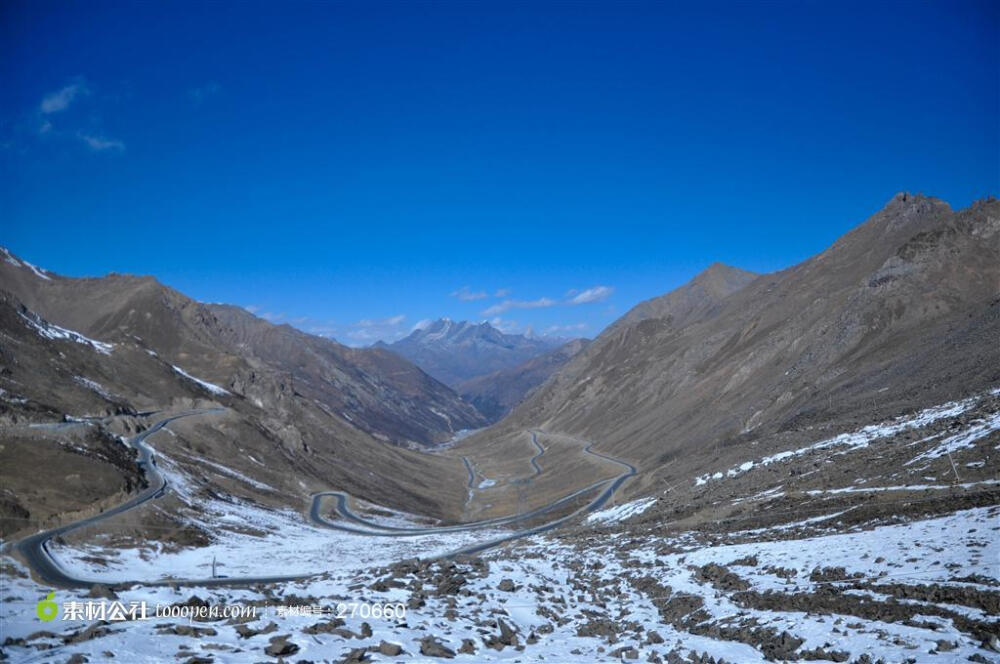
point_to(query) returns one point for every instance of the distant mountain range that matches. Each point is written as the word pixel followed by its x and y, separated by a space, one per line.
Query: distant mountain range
pixel 462 355
pixel 457 351
pixel 496 394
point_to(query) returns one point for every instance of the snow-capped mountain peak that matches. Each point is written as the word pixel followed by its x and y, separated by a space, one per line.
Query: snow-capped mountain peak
pixel 453 351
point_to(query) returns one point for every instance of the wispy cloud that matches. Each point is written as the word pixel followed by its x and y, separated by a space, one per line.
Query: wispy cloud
pixel 468 295
pixel 507 305
pixel 50 121
pixel 369 330
pixel 595 294
pixel 504 325
pixel 252 308
pixel 502 292
pixel 557 329
pixel 61 99
pixel 202 93
pixel 100 143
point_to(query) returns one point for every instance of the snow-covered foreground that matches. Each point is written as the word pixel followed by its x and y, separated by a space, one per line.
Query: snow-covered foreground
pixel 251 541
pixel 589 599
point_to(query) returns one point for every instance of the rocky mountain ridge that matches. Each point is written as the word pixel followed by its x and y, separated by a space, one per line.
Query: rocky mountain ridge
pixel 900 313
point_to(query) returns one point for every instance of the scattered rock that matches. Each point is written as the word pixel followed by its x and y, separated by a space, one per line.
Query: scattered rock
pixel 431 647
pixel 599 627
pixel 389 649
pixel 507 634
pixel 356 656
pixel 627 652
pixel 246 631
pixel 188 630
pixel 746 561
pixel 95 631
pixel 101 591
pixel 280 646
pixel 721 578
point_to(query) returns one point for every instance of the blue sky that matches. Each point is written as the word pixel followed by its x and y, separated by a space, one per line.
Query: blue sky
pixel 356 168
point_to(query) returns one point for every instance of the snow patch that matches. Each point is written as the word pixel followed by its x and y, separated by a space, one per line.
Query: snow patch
pixel 10 258
pixel 621 512
pixel 39 272
pixel 235 474
pixel 50 331
pixel 961 440
pixel 861 438
pixel 211 387
pixel 93 385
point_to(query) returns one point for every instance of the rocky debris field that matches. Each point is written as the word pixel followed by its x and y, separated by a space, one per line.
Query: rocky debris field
pixel 925 589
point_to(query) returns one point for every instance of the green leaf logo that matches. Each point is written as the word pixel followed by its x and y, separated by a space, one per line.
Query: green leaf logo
pixel 47 609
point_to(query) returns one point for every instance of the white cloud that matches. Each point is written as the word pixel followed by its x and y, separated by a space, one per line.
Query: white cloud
pixel 200 94
pixel 363 335
pixel 467 295
pixel 507 305
pixel 100 143
pixel 252 308
pixel 60 100
pixel 502 292
pixel 556 329
pixel 369 330
pixel 504 325
pixel 421 324
pixel 595 294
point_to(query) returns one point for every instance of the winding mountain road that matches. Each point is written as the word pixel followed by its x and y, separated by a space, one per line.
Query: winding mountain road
pixel 612 486
pixel 35 548
pixel 541 451
pixel 375 529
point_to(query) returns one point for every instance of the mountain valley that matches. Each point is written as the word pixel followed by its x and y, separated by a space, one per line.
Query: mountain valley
pixel 801 465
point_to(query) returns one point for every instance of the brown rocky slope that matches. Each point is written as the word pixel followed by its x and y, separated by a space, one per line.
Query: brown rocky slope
pixel 901 313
